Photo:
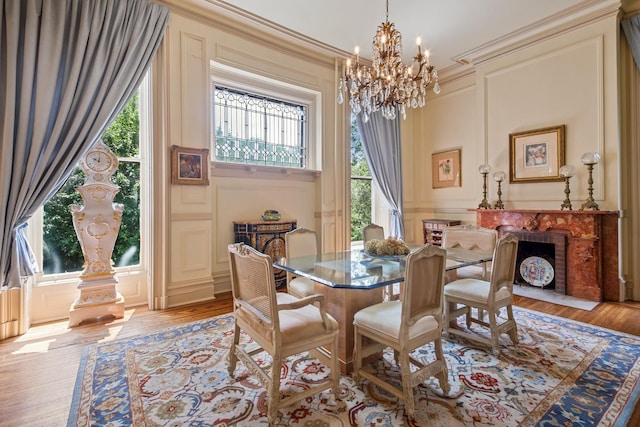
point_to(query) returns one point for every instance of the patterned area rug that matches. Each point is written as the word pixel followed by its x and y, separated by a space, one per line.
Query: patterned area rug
pixel 561 373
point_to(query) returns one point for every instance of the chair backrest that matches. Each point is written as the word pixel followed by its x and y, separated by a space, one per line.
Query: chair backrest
pixel 253 283
pixel 422 293
pixel 300 242
pixel 372 232
pixel 470 237
pixel 504 266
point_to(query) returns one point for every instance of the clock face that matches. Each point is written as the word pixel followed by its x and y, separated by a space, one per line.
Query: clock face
pixel 98 161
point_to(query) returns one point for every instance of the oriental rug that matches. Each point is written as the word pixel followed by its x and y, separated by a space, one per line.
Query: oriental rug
pixel 561 373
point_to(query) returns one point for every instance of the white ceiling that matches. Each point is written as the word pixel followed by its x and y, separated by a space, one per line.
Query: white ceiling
pixel 448 28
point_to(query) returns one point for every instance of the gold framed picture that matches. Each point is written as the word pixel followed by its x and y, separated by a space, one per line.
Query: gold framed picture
pixel 445 169
pixel 189 166
pixel 536 155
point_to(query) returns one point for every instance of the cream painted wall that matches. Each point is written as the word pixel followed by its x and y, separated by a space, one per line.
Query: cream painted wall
pixel 190 243
pixel 557 82
pixel 244 199
pixel 564 76
pixel 570 78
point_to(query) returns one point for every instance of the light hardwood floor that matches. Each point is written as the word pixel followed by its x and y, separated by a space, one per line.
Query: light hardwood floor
pixel 38 370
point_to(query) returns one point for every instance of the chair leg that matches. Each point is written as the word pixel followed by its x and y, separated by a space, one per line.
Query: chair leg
pixel 495 334
pixel 513 331
pixel 387 293
pixel 446 312
pixel 357 354
pixel 407 389
pixel 443 374
pixel 335 369
pixel 273 390
pixel 233 358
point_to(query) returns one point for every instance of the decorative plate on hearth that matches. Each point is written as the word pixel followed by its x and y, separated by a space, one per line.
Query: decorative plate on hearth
pixel 536 271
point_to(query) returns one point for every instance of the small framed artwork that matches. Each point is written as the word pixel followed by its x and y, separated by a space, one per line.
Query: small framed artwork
pixel 536 155
pixel 189 166
pixel 445 169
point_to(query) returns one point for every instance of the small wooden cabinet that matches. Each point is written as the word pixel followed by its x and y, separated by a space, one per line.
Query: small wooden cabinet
pixel 266 237
pixel 432 229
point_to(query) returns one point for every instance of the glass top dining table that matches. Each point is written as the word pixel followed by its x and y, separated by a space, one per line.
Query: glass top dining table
pixel 355 269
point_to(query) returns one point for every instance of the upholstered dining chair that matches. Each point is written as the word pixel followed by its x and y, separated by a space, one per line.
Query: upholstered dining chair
pixel 281 325
pixel 376 232
pixel 413 321
pixel 462 295
pixel 372 232
pixel 300 242
pixel 473 238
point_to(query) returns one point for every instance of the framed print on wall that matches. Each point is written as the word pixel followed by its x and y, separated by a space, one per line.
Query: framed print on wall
pixel 536 155
pixel 445 169
pixel 189 166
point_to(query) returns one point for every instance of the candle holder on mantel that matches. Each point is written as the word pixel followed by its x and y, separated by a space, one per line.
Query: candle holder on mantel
pixel 499 176
pixel 590 159
pixel 566 172
pixel 484 170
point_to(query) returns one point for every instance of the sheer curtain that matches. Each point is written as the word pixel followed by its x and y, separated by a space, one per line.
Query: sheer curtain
pixel 67 69
pixel 383 151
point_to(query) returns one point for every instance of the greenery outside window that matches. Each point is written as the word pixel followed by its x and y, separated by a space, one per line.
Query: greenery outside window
pixel 361 186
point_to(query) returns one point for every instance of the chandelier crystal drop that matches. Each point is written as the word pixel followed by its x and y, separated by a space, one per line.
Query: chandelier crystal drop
pixel 389 84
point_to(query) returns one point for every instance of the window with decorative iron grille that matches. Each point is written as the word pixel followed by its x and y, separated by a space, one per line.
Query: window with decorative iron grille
pixel 258 130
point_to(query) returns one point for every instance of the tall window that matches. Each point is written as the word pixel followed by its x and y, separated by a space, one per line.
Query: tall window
pixel 254 129
pixel 361 187
pixel 61 252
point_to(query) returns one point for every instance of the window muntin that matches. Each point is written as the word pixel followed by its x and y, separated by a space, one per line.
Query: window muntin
pixel 258 130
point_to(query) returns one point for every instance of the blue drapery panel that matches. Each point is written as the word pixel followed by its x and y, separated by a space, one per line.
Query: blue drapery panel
pixel 631 29
pixel 68 67
pixel 382 149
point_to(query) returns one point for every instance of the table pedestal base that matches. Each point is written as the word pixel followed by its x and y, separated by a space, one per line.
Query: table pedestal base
pixel 343 304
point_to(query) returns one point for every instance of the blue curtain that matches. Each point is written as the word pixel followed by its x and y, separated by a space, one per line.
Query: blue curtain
pixel 67 68
pixel 382 149
pixel 631 29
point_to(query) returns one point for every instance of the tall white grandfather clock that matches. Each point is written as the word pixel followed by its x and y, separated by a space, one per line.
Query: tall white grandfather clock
pixel 97 224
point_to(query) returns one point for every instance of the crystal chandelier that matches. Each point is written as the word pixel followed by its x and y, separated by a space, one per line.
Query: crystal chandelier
pixel 389 84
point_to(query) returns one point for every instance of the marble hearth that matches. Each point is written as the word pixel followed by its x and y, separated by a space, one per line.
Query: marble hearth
pixel 591 255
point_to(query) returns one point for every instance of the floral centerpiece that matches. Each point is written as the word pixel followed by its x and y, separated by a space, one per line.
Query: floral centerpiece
pixel 387 247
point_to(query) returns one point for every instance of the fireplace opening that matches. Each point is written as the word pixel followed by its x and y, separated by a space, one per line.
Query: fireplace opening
pixel 535 265
pixel 541 251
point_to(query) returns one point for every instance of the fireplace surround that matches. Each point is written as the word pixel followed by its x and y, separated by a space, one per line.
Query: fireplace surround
pixel 591 256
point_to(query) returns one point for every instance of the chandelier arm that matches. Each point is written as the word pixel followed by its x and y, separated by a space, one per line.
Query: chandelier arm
pixel 389 84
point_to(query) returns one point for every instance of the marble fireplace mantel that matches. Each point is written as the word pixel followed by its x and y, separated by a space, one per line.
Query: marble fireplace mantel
pixel 592 244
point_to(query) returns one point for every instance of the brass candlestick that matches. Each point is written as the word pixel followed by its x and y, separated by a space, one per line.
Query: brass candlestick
pixel 590 159
pixel 484 170
pixel 567 171
pixel 499 176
